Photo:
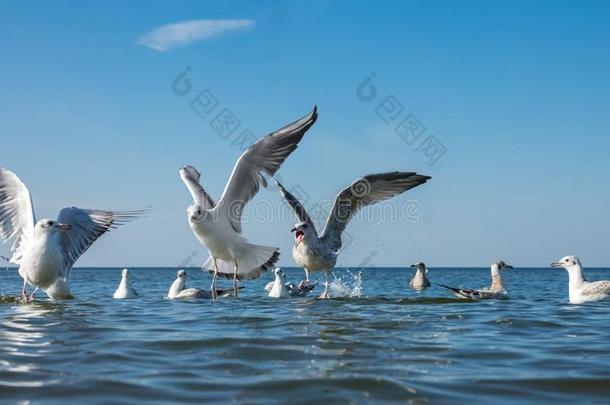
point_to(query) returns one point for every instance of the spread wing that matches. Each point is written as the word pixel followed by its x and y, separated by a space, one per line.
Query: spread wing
pixel 190 176
pixel 87 226
pixel 365 191
pixel 596 288
pixel 264 157
pixel 17 218
pixel 296 206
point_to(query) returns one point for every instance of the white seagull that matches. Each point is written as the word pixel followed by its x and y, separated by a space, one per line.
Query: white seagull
pixel 294 291
pixel 419 280
pixel 45 251
pixel 581 290
pixel 178 289
pixel 319 253
pixel 278 288
pixel 218 226
pixel 496 290
pixel 124 290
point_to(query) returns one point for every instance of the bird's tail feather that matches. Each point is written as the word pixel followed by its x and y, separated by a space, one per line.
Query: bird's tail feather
pixel 253 260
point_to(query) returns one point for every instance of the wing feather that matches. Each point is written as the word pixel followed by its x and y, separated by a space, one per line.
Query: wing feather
pixel 365 191
pixel 190 176
pixel 296 206
pixel 87 226
pixel 264 157
pixel 17 218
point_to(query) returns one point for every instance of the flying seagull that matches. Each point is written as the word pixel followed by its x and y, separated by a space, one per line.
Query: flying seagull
pixel 45 251
pixel 419 280
pixel 496 290
pixel 218 226
pixel 124 290
pixel 581 290
pixel 319 253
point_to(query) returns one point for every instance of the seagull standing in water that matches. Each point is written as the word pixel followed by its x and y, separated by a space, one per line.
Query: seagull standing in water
pixel 45 251
pixel 124 290
pixel 319 253
pixel 419 280
pixel 218 226
pixel 278 288
pixel 581 290
pixel 496 290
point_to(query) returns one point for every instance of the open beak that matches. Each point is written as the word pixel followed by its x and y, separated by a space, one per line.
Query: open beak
pixel 63 227
pixel 508 266
pixel 556 265
pixel 414 265
pixel 298 237
pixel 293 230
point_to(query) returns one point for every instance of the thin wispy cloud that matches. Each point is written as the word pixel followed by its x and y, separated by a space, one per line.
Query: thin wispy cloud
pixel 172 35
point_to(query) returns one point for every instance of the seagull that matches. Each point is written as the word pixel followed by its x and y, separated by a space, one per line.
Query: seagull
pixel 294 291
pixel 218 226
pixel 580 289
pixel 495 291
pixel 178 289
pixel 420 281
pixel 125 290
pixel 45 251
pixel 279 289
pixel 319 253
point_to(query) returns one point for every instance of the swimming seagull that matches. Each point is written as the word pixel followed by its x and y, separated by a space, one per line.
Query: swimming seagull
pixel 496 290
pixel 278 289
pixel 419 280
pixel 319 253
pixel 45 251
pixel 218 226
pixel 581 290
pixel 178 289
pixel 125 290
pixel 294 291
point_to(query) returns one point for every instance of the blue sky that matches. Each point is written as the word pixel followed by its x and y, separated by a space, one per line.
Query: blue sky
pixel 518 93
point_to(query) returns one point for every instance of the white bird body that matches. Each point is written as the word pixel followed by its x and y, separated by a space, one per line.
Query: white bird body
pixel 45 251
pixel 319 253
pixel 42 260
pixel 218 226
pixel 581 290
pixel 178 289
pixel 279 289
pixel 420 280
pixel 124 290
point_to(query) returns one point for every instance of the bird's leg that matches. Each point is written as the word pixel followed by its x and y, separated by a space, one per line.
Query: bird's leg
pixel 24 293
pixel 305 282
pixel 235 279
pixel 214 279
pixel 32 294
pixel 325 293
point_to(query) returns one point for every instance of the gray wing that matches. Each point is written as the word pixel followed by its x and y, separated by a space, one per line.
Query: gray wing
pixel 190 176
pixel 17 218
pixel 296 206
pixel 365 191
pixel 596 288
pixel 264 157
pixel 87 226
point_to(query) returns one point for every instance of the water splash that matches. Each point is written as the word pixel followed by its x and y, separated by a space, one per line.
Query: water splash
pixel 346 284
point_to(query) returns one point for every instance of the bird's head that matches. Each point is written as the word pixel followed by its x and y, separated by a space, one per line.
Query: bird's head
pixel 570 263
pixel 420 266
pixel 195 213
pixel 125 273
pixel 181 274
pixel 498 266
pixel 189 173
pixel 302 232
pixel 49 227
pixel 278 272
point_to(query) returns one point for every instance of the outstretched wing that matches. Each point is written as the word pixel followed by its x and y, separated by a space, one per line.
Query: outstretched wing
pixel 264 157
pixel 190 176
pixel 365 191
pixel 17 218
pixel 87 226
pixel 296 206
